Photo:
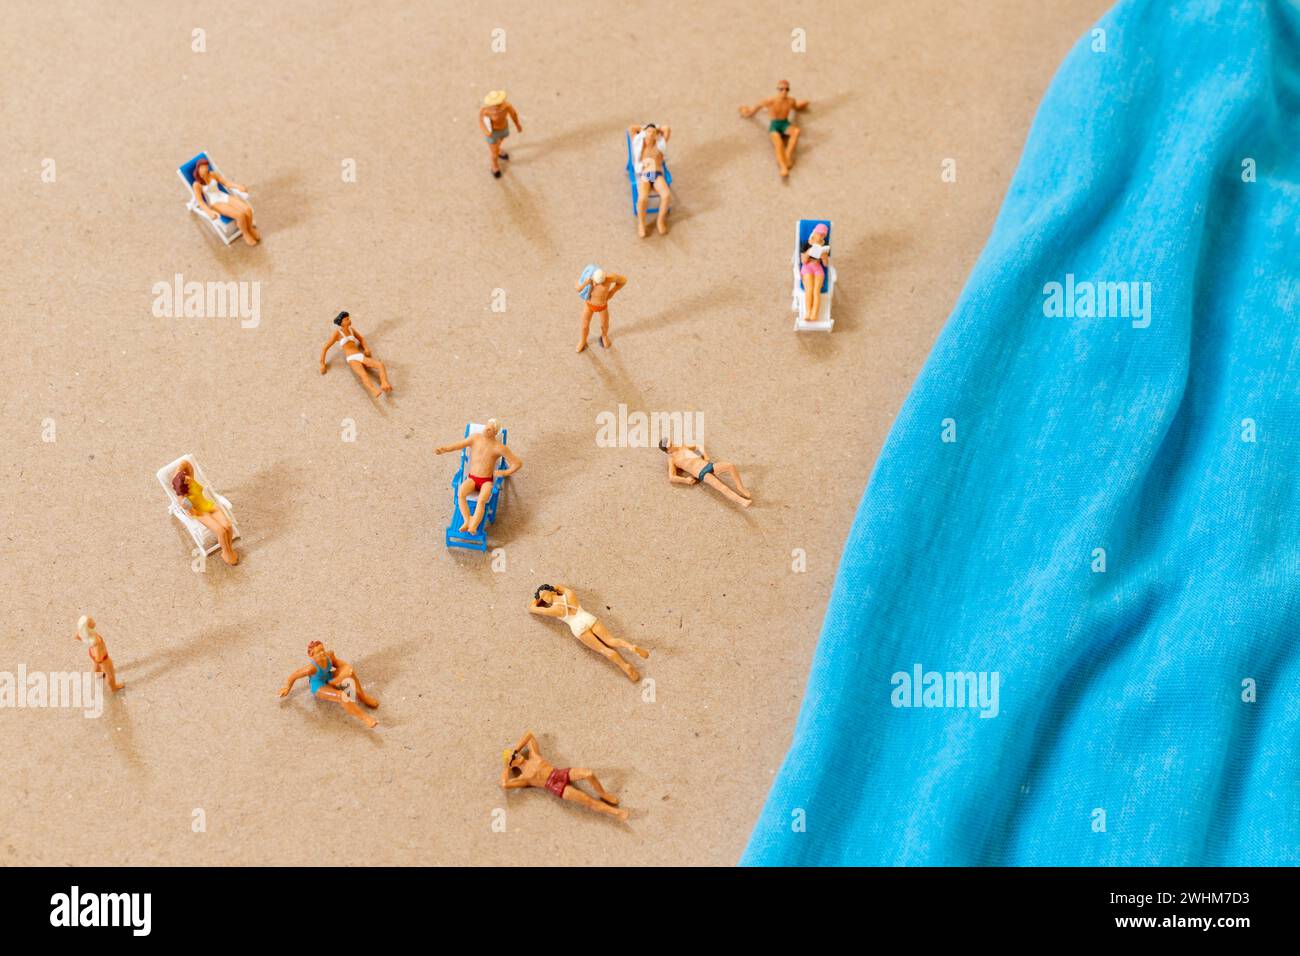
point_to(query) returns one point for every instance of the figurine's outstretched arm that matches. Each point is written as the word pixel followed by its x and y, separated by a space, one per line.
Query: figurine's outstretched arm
pixel 294 678
pixel 226 182
pixel 443 449
pixel 748 111
pixel 515 116
pixel 334 337
pixel 802 104
pixel 618 280
pixel 512 459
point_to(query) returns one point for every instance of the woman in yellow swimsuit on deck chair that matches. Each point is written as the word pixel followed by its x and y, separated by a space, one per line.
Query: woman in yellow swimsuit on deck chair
pixel 204 509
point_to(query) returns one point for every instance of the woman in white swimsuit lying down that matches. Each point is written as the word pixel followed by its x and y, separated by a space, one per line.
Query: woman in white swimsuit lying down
pixel 551 600
pixel 217 202
pixel 356 351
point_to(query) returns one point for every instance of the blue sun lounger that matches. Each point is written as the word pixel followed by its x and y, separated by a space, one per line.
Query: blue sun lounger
pixel 652 202
pixel 463 539
pixel 803 322
pixel 225 227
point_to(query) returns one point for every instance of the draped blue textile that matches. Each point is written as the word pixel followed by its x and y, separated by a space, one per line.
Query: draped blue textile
pixel 1091 497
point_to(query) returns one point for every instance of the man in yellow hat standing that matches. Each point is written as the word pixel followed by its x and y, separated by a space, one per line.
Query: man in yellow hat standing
pixel 495 118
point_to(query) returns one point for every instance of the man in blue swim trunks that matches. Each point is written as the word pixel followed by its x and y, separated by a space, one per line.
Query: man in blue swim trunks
pixel 690 464
pixel 495 117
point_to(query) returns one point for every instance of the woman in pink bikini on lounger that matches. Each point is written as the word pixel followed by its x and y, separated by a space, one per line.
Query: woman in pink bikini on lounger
pixel 525 767
pixel 814 256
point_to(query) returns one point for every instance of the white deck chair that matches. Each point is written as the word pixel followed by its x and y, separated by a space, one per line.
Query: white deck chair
pixel 201 533
pixel 225 227
pixel 822 322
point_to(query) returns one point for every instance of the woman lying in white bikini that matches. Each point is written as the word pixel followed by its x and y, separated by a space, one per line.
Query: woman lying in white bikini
pixel 551 600
pixel 356 351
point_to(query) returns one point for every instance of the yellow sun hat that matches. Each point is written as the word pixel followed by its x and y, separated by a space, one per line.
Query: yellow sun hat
pixel 495 98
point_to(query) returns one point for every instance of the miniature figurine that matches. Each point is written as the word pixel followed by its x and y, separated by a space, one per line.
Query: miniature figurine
pixel 784 134
pixel 356 352
pixel 648 145
pixel 484 450
pixel 328 674
pixel 215 196
pixel 689 464
pixel 814 257
pixel 584 626
pixel 597 287
pixel 98 651
pixel 526 767
pixel 189 492
pixel 495 117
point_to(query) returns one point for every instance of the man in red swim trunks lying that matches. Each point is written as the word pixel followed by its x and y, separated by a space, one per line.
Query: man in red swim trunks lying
pixel 484 450
pixel 525 767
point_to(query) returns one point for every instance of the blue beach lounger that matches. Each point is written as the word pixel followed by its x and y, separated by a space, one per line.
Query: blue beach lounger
pixel 463 539
pixel 225 227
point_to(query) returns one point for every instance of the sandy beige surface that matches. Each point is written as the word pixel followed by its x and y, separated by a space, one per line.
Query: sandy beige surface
pixel 344 541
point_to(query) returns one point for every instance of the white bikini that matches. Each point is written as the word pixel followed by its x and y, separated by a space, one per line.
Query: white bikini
pixel 213 193
pixel 355 356
pixel 579 620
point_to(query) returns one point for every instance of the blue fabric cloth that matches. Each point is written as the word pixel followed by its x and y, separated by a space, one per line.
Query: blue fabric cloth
pixel 1124 691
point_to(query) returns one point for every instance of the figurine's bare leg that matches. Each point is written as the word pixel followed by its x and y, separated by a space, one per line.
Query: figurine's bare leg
pixel 714 482
pixel 378 366
pixel 340 698
pixel 361 694
pixel 581 773
pixel 792 137
pixel 105 667
pixel 808 288
pixel 247 225
pixel 609 640
pixel 815 306
pixel 665 199
pixel 219 524
pixel 575 795
pixel 586 324
pixel 462 498
pixel 643 197
pixel 243 217
pixel 596 644
pixel 604 328
pixel 779 144
pixel 480 508
pixel 727 468
pixel 359 370
pixel 495 150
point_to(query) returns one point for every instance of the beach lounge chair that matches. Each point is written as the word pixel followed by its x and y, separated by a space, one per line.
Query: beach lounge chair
pixel 201 533
pixel 823 321
pixel 225 227
pixel 463 539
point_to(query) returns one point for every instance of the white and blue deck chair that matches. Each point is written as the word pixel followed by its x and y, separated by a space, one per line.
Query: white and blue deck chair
pixel 225 227
pixel 652 201
pixel 463 539
pixel 798 304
